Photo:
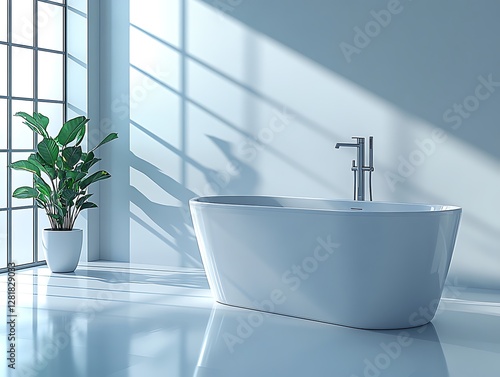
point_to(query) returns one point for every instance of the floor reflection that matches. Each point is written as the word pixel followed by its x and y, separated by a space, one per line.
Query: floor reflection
pixel 241 342
pixel 112 319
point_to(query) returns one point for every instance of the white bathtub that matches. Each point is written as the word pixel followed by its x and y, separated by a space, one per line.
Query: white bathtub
pixel 369 265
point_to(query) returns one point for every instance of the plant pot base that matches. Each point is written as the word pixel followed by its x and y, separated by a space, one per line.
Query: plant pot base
pixel 62 249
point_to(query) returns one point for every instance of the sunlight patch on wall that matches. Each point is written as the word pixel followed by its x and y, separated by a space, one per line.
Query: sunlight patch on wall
pixel 148 108
pixel 277 99
pixel 218 41
pixel 149 189
pixel 160 18
pixel 274 71
pixel 149 242
pixel 77 28
pixel 259 118
pixel 160 62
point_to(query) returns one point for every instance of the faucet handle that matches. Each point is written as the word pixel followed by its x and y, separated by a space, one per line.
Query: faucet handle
pixel 370 157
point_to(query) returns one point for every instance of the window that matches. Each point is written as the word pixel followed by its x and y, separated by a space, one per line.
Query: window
pixel 32 78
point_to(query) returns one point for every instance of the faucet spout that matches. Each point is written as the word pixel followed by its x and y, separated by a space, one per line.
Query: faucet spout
pixel 359 168
pixel 338 145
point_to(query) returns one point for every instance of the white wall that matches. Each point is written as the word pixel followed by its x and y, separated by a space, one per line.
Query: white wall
pixel 83 99
pixel 249 97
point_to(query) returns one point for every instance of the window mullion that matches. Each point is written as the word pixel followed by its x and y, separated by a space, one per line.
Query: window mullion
pixel 35 108
pixel 65 61
pixel 9 130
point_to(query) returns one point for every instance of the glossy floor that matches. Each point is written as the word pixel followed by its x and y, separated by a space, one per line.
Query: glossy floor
pixel 116 320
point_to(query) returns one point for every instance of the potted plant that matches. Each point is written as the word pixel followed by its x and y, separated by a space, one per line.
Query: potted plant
pixel 61 178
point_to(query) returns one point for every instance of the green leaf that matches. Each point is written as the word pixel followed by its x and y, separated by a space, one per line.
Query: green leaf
pixel 37 160
pixel 71 155
pixel 38 163
pixel 70 130
pixel 68 195
pixel 107 139
pixel 80 136
pixel 87 205
pixel 25 165
pixel 66 184
pixel 37 123
pixel 25 192
pixel 97 176
pixel 42 186
pixel 87 165
pixel 48 150
pixel 41 119
pixel 80 176
pixel 40 203
pixel 55 216
pixel 82 200
pixel 88 161
pixel 62 168
pixel 72 175
pixel 61 210
pixel 88 156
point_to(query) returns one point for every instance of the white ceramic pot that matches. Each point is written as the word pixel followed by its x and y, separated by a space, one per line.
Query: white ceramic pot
pixel 62 249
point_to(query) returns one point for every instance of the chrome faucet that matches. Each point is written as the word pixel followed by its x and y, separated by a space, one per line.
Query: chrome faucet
pixel 358 166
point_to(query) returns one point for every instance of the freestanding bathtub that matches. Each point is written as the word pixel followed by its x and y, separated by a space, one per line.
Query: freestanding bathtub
pixel 371 265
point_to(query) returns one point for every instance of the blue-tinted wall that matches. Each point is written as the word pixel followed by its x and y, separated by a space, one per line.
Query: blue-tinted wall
pixel 250 96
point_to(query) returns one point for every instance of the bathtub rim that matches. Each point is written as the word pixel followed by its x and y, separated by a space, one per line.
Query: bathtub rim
pixel 196 201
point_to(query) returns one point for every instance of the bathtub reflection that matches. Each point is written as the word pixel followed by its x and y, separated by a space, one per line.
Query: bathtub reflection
pixel 240 342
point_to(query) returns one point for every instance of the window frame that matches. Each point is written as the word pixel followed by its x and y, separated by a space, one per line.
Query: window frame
pixel 35 101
